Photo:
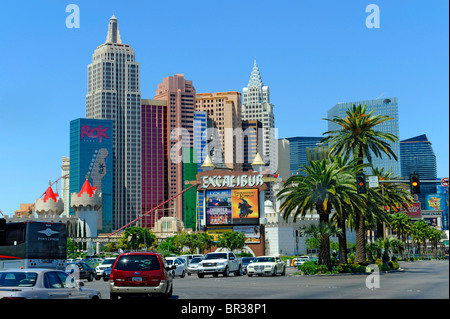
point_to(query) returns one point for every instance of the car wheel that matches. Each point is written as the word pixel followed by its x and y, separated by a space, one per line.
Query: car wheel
pixel 98 277
pixel 249 275
pixel 239 272
pixel 182 274
pixel 284 271
pixel 226 272
pixel 274 273
pixel 200 275
pixel 91 277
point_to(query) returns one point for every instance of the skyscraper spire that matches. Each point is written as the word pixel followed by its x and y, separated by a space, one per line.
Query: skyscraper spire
pixel 255 77
pixel 113 31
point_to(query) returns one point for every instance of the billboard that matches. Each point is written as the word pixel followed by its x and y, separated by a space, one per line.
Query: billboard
pixel 414 211
pixel 252 233
pixel 245 206
pixel 435 202
pixel 218 207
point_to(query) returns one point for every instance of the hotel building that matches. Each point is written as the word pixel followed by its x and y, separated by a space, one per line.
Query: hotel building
pixel 113 93
pixel 179 94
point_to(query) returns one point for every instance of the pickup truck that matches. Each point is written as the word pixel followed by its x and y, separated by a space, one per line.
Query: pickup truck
pixel 220 263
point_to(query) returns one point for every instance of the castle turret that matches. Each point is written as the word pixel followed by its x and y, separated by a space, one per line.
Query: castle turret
pixel 49 206
pixel 86 205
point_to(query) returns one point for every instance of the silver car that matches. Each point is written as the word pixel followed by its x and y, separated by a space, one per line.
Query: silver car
pixel 42 284
pixel 193 265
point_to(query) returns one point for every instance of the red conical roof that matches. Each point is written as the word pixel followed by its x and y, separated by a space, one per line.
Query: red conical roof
pixel 87 188
pixel 49 194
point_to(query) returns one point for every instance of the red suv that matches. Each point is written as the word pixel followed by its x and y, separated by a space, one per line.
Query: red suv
pixel 141 274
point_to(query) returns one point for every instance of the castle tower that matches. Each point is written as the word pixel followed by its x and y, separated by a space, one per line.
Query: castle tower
pixel 86 205
pixel 49 207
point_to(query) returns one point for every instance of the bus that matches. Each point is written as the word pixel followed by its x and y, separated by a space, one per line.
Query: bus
pixel 33 244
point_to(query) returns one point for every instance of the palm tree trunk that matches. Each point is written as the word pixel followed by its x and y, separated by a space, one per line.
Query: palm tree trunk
pixel 360 256
pixel 324 247
pixel 342 238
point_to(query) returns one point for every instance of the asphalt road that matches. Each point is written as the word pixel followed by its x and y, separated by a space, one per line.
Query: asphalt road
pixel 416 280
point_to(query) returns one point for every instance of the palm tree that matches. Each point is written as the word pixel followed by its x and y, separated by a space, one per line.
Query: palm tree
pixel 401 222
pixel 359 138
pixel 356 200
pixel 322 233
pixel 323 187
pixel 435 236
pixel 419 230
pixel 390 197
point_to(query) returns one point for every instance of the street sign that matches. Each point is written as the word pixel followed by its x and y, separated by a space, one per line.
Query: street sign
pixel 444 181
pixel 373 181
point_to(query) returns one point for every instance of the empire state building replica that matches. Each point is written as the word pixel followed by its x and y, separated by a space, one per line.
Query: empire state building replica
pixel 113 93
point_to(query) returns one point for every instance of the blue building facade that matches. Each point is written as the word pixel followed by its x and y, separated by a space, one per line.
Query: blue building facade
pixel 301 150
pixel 91 156
pixel 417 156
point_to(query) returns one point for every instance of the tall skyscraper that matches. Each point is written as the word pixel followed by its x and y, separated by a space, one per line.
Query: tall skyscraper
pixel 389 107
pixel 224 109
pixel 154 158
pixel 256 106
pixel 417 156
pixel 114 93
pixel 179 94
pixel 301 150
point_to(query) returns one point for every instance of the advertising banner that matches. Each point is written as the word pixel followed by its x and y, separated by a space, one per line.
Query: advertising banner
pixel 414 211
pixel 435 202
pixel 252 233
pixel 218 207
pixel 245 208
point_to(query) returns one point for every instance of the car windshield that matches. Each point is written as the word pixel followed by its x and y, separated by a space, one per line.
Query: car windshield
pixel 138 262
pixel 108 262
pixel 196 260
pixel 247 259
pixel 18 279
pixel 216 256
pixel 264 260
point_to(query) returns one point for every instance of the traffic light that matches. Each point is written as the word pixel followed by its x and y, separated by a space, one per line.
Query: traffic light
pixel 361 183
pixel 414 183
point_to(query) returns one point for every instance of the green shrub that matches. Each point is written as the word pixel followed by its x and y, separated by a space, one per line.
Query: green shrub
pixel 309 268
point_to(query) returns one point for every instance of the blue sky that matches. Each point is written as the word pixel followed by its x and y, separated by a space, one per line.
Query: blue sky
pixel 312 55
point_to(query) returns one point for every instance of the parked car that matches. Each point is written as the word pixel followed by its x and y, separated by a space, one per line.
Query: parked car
pixel 181 267
pixel 42 284
pixel 142 274
pixel 300 260
pixel 106 274
pixel 106 263
pixel 266 265
pixel 193 265
pixel 245 262
pixel 84 270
